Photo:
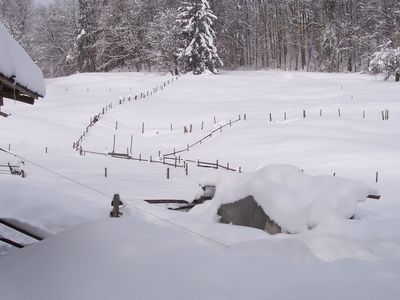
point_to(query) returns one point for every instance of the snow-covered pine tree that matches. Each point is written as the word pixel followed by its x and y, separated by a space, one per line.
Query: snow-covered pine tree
pixel 198 52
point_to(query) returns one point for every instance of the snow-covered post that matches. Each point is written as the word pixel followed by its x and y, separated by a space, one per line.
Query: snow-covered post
pixel 113 145
pixel 131 144
pixel 116 202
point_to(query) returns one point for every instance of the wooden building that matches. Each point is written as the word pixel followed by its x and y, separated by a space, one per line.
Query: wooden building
pixel 20 79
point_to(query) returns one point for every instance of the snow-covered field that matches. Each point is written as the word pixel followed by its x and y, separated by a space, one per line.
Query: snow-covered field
pixel 149 253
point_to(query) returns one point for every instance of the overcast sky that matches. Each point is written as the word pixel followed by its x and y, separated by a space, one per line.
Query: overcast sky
pixel 42 1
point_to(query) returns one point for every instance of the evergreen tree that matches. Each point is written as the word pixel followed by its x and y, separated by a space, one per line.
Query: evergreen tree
pixel 198 54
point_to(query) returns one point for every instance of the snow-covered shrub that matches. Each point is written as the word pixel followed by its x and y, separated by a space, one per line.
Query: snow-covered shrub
pixel 386 61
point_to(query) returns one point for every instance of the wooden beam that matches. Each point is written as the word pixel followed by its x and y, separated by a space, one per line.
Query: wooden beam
pixel 8 93
pixel 3 114
pixel 11 84
pixel 12 243
pixel 375 197
pixel 21 230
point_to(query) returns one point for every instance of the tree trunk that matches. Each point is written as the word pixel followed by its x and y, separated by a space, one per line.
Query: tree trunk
pixel 397 77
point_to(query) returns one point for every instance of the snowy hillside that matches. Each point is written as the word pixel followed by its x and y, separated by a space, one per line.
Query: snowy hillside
pixel 325 124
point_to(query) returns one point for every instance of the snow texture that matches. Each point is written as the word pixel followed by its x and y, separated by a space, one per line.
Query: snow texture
pixel 16 64
pixel 141 257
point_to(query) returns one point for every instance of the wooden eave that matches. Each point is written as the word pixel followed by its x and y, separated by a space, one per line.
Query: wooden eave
pixel 13 90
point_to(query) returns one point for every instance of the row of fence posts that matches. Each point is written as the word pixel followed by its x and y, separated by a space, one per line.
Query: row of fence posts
pixel 385 114
pixel 189 129
pixel 105 109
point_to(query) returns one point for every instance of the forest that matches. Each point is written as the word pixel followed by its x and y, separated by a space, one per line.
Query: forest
pixel 70 36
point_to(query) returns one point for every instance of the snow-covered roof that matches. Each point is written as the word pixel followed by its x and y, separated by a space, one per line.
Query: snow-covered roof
pixel 17 66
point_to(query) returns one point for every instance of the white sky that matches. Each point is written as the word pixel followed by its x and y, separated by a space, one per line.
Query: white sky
pixel 42 1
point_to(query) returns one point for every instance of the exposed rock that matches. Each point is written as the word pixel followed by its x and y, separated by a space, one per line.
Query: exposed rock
pixel 247 212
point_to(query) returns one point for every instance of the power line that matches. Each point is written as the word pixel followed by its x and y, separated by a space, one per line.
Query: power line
pixel 57 173
pixel 187 230
pixel 199 235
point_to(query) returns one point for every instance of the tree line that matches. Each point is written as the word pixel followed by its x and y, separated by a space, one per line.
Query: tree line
pixel 70 36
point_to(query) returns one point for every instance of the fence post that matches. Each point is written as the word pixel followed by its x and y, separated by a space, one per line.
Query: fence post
pixel 131 144
pixel 376 177
pixel 115 213
pixel 105 172
pixel 142 127
pixel 167 173
pixel 202 125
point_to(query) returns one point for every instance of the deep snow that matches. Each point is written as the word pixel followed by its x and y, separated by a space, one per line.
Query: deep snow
pixel 337 259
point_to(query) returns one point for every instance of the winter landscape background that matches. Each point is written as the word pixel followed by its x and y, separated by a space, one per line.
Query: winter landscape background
pixel 296 103
pixel 324 35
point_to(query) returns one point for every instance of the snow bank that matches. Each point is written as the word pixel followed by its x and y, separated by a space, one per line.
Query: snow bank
pixel 15 62
pixel 138 258
pixel 292 199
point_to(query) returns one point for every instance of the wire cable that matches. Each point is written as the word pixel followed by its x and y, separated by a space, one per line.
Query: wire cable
pixel 143 211
pixel 57 173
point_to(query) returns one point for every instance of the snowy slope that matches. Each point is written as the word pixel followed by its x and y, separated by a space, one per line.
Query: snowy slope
pixel 355 258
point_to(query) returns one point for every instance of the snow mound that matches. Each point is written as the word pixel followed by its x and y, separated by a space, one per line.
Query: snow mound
pixel 15 62
pixel 292 199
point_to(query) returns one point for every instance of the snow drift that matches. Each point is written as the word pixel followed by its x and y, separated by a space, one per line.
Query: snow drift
pixel 293 200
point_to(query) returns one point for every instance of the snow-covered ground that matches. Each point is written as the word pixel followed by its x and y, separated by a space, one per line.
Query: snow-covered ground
pixel 148 254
